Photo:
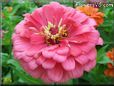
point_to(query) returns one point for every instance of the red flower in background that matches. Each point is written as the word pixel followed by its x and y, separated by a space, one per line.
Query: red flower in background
pixel 93 13
pixel 110 70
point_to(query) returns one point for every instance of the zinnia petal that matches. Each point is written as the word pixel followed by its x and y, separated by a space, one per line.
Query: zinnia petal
pixel 69 64
pixel 56 73
pixel 48 64
pixel 89 65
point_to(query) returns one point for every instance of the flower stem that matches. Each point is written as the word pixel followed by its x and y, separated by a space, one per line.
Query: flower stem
pixel 73 4
pixel 12 79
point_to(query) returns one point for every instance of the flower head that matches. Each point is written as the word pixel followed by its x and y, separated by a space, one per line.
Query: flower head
pixel 56 43
pixel 92 12
pixel 110 70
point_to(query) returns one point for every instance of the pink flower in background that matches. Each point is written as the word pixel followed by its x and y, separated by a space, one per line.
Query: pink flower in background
pixel 56 43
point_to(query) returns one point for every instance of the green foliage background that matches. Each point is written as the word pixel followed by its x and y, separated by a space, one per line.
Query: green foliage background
pixel 12 73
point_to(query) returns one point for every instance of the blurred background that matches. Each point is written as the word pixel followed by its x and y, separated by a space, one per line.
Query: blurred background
pixel 11 13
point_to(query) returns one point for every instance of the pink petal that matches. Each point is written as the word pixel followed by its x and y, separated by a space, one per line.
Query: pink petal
pixel 82 59
pixel 74 50
pixel 83 29
pixel 37 73
pixel 88 66
pixel 59 58
pixel 30 19
pixel 34 73
pixel 80 17
pixel 86 47
pixel 82 38
pixel 48 54
pixel 90 22
pixel 77 72
pixel 27 58
pixel 93 36
pixel 69 64
pixel 34 49
pixel 48 64
pixel 27 32
pixel 25 66
pixel 56 73
pixel 20 47
pixel 18 55
pixel 46 78
pixel 48 11
pixel 92 54
pixel 31 51
pixel 37 16
pixel 21 44
pixel 65 77
pixel 21 26
pixel 100 41
pixel 63 50
pixel 53 47
pixel 14 37
pixel 37 39
pixel 32 64
pixel 58 10
pixel 40 60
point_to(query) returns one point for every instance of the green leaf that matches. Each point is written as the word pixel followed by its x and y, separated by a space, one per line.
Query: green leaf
pixel 103 60
pixel 96 76
pixel 14 63
pixel 102 51
pixel 101 56
pixel 16 8
pixel 4 58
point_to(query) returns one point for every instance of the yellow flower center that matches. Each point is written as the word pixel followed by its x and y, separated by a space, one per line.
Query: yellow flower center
pixel 54 33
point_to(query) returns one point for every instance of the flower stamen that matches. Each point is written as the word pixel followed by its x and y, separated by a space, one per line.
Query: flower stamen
pixel 55 33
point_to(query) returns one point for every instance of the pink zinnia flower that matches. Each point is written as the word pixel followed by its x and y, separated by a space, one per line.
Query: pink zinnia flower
pixel 56 43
